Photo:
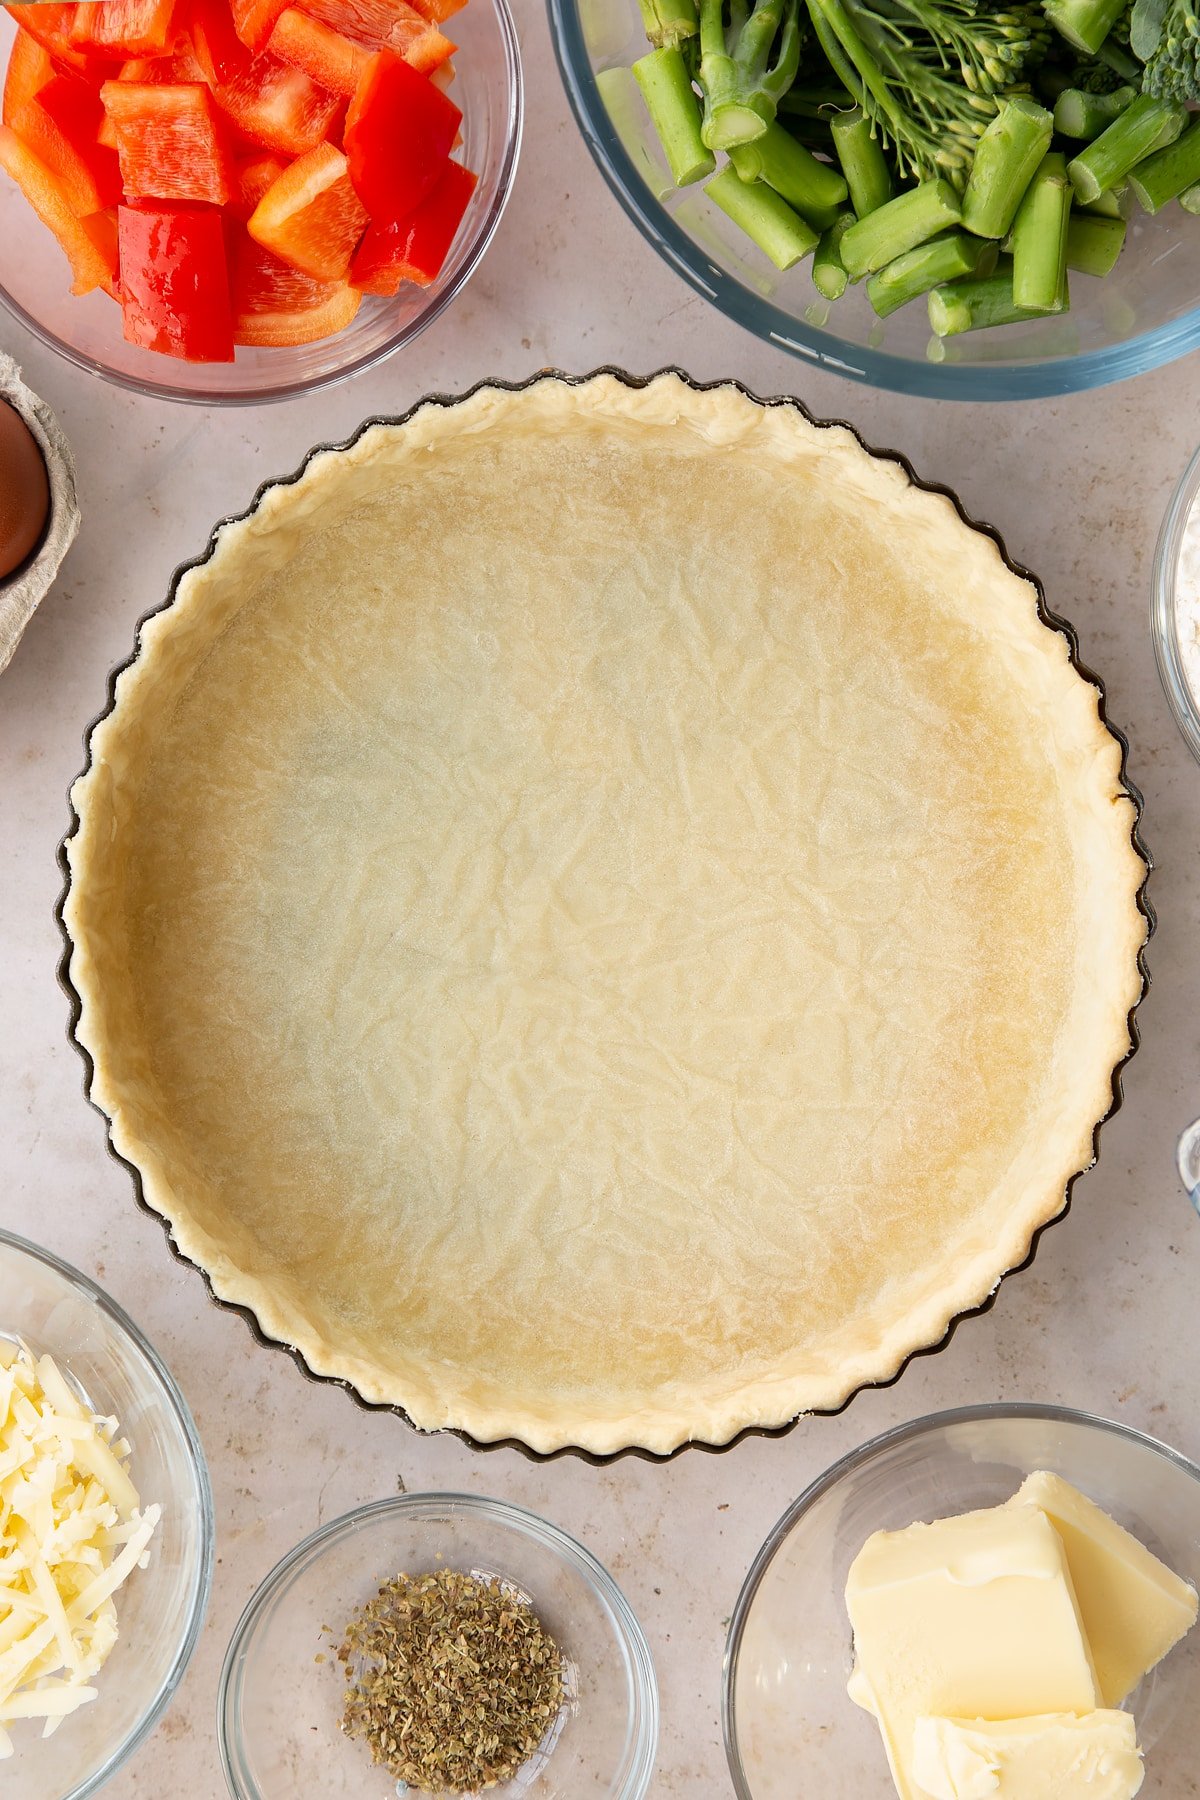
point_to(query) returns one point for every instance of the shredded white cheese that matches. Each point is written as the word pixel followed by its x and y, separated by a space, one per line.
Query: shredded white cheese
pixel 71 1530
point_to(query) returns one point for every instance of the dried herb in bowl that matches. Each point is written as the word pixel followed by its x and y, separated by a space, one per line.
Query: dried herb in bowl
pixel 452 1681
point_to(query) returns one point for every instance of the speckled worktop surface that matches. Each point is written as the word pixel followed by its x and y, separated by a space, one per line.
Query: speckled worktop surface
pixel 1106 1319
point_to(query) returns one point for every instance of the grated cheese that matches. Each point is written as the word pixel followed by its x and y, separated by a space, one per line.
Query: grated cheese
pixel 72 1529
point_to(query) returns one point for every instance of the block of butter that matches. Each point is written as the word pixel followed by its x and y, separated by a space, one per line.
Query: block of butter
pixel 1060 1756
pixel 966 1618
pixel 1134 1609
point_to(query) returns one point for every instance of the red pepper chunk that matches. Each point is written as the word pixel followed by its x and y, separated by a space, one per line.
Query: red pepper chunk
pixel 29 71
pixel 331 60
pixel 51 26
pixel 59 124
pixel 399 131
pixel 89 244
pixel 171 141
pixel 175 281
pixel 415 249
pixel 123 28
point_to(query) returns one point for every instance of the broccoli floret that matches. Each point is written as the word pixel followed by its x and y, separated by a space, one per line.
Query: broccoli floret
pixel 928 73
pixel 1173 64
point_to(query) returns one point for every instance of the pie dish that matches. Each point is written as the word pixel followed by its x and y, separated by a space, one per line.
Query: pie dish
pixel 604 913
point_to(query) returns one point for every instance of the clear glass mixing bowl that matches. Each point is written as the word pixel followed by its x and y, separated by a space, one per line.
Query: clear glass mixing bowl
pixel 57 1311
pixel 279 1707
pixel 35 283
pixel 1145 313
pixel 790 1727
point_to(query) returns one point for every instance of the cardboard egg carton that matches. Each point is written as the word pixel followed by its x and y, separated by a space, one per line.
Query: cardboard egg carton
pixel 22 591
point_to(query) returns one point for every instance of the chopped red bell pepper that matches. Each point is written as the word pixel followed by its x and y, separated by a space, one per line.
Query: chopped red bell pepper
pixel 175 281
pixel 51 27
pixel 161 71
pixel 385 25
pixel 399 130
pixel 254 20
pixel 278 106
pixel 29 70
pixel 171 140
pixel 333 61
pixel 90 244
pixel 439 10
pixel 218 49
pixel 59 124
pixel 125 28
pixel 311 216
pixel 416 248
pixel 276 304
pixel 252 178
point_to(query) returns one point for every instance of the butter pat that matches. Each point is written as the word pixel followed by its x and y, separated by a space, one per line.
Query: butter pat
pixel 1133 1608
pixel 966 1618
pixel 1055 1757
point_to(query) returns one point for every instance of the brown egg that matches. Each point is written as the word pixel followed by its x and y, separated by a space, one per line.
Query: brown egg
pixel 24 491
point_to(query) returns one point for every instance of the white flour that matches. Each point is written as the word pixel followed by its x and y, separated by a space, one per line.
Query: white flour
pixel 1187 599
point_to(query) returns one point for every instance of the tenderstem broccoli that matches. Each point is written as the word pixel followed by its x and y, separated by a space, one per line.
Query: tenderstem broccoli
pixel 1172 54
pixel 746 67
pixel 669 23
pixel 927 73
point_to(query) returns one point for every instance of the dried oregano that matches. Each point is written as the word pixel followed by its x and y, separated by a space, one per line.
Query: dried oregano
pixel 451 1681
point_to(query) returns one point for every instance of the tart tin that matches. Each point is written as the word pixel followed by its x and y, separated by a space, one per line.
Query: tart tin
pixel 1047 617
pixel 23 590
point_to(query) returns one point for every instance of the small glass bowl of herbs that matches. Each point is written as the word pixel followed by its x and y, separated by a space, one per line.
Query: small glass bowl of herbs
pixel 438 1644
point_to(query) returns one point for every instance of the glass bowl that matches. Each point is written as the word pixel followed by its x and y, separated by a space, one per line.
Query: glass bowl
pixel 1179 669
pixel 1145 313
pixel 278 1707
pixel 56 1310
pixel 790 1727
pixel 35 281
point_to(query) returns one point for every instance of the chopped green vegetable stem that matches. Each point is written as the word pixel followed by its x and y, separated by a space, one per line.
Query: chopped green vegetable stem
pixel 1190 199
pixel 943 259
pixel 1039 238
pixel 976 303
pixel 1168 173
pixel 1080 115
pixel 829 271
pixel 863 162
pixel 669 23
pixel 1008 156
pixel 814 188
pixel 1085 23
pixel 764 216
pixel 675 114
pixel 1094 243
pixel 908 220
pixel 1144 127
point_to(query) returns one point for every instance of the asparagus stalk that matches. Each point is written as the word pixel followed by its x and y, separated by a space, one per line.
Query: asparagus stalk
pixel 1039 238
pixel 1144 127
pixel 863 163
pixel 942 259
pixel 1084 23
pixel 1168 173
pixel 829 271
pixel 1006 160
pixel 1115 203
pixel 1094 243
pixel 764 216
pixel 1190 199
pixel 669 23
pixel 976 303
pixel 815 189
pixel 1080 115
pixel 908 220
pixel 675 114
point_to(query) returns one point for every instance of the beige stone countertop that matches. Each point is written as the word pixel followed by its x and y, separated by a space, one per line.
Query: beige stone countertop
pixel 1106 1318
